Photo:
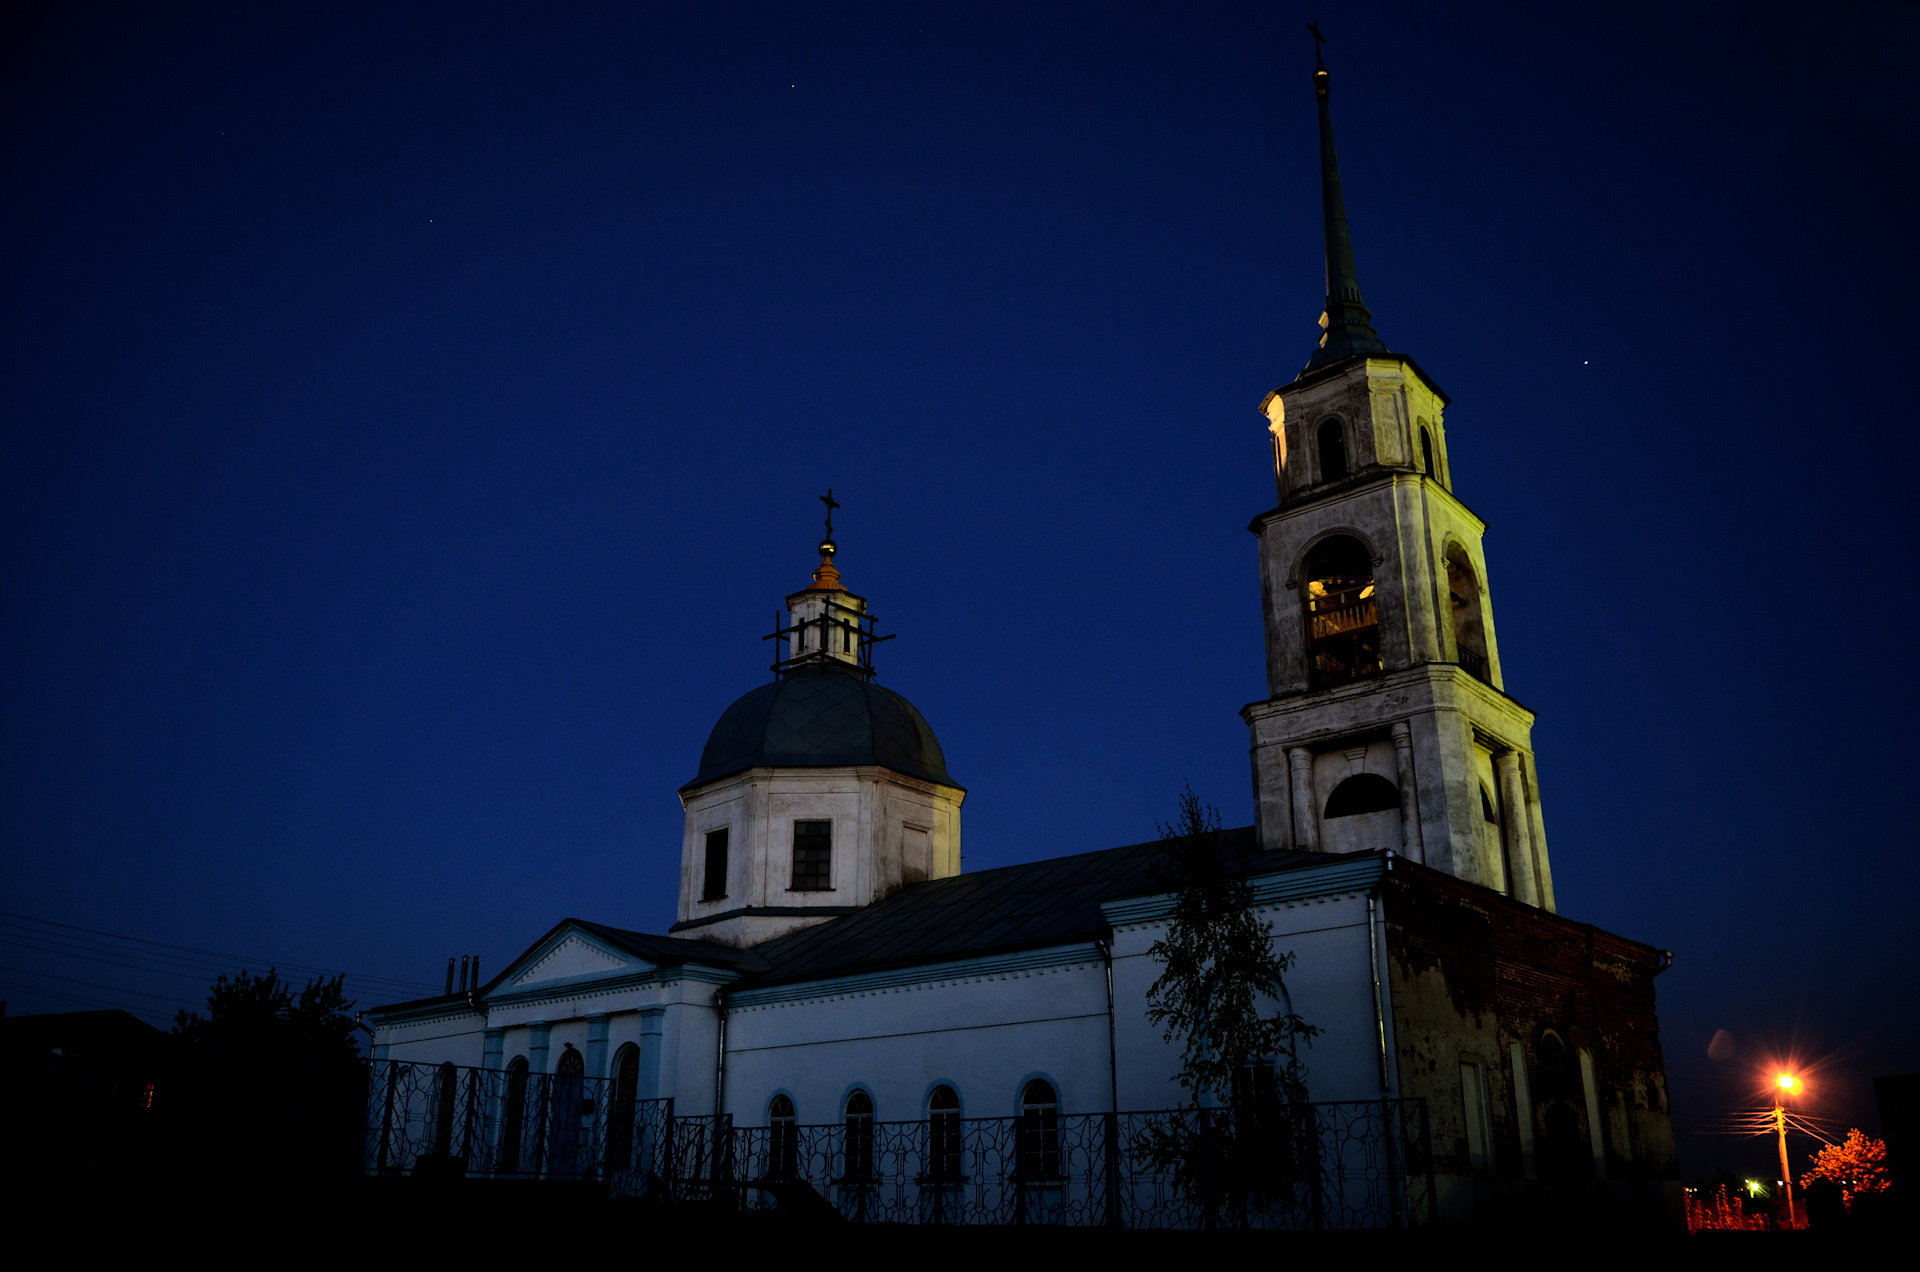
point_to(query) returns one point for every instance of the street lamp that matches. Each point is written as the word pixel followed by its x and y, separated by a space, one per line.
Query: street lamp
pixel 1784 1085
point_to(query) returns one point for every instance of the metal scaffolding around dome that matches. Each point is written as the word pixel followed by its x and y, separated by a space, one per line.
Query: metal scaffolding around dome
pixel 810 641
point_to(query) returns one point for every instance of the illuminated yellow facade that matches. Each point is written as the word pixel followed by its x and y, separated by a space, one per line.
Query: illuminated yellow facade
pixel 1387 722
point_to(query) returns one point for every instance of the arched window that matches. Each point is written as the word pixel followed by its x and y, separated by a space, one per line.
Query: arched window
pixel 1426 452
pixel 783 1143
pixel 448 1088
pixel 514 1123
pixel 943 1133
pixel 1039 1131
pixel 1363 793
pixel 569 1108
pixel 626 1091
pixel 1343 621
pixel 859 1128
pixel 1333 451
pixel 1469 627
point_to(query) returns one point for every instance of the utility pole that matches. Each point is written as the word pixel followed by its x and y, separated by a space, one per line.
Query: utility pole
pixel 1785 1084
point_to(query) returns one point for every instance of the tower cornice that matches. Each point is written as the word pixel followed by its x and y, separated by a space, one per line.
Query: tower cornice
pixel 1333 370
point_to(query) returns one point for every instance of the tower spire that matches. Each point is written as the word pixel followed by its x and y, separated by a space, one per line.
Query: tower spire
pixel 1349 330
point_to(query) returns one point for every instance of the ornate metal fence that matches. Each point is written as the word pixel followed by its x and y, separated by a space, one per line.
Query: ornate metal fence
pixel 425 1119
pixel 1357 1164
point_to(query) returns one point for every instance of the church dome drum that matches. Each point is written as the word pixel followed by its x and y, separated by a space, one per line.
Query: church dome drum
pixel 822 717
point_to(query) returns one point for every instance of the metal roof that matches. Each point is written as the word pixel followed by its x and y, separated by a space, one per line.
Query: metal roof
pixel 826 716
pixel 1040 903
pixel 1029 906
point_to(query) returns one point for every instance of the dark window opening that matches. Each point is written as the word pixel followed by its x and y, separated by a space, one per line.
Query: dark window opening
pixel 943 1133
pixel 515 1121
pixel 715 885
pixel 859 1125
pixel 1039 1131
pixel 449 1085
pixel 783 1147
pixel 626 1089
pixel 1255 1087
pixel 1333 451
pixel 812 856
pixel 1363 793
pixel 1343 621
pixel 1486 808
pixel 570 1107
pixel 1426 453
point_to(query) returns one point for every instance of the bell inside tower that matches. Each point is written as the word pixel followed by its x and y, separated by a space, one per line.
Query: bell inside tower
pixel 1343 621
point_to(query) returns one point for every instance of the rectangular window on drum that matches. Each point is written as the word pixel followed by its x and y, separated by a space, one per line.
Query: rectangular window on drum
pixel 812 856
pixel 715 885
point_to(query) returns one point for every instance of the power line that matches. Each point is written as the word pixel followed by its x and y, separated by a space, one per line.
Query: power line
pixel 200 973
pixel 68 980
pixel 169 953
pixel 146 1014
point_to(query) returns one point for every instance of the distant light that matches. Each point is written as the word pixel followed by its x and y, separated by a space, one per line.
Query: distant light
pixel 1787 1081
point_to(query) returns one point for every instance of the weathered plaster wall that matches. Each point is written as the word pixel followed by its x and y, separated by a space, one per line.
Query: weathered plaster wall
pixel 1480 979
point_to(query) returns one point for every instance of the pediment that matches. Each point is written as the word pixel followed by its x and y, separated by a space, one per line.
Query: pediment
pixel 570 959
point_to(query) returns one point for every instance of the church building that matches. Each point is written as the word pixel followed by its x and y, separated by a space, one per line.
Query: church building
pixel 831 965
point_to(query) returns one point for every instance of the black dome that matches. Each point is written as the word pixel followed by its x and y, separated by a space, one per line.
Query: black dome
pixel 822 717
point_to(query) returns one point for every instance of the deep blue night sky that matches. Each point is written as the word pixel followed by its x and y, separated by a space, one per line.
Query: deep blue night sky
pixel 413 417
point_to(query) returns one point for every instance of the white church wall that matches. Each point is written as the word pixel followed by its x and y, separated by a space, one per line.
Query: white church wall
pixel 985 1026
pixel 434 1039
pixel 1330 984
pixel 871 810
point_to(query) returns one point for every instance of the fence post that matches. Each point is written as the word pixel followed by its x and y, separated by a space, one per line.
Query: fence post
pixel 1396 1167
pixel 469 1122
pixel 670 1153
pixel 1316 1183
pixel 386 1117
pixel 1206 1169
pixel 1113 1168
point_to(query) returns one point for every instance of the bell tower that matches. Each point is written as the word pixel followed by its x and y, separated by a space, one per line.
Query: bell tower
pixel 1387 722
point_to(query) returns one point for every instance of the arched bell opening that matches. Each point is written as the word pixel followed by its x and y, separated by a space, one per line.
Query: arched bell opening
pixel 1469 616
pixel 1343 621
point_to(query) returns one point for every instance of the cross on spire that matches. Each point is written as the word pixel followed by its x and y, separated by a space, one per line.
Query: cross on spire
pixel 828 500
pixel 1318 40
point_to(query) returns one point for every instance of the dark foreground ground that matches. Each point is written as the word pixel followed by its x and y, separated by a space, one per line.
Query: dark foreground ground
pixel 369 1222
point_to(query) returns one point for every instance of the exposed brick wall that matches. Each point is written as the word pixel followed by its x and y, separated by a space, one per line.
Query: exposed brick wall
pixel 1473 972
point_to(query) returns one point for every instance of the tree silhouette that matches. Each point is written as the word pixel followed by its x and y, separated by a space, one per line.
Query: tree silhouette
pixel 1242 1139
pixel 277 1081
